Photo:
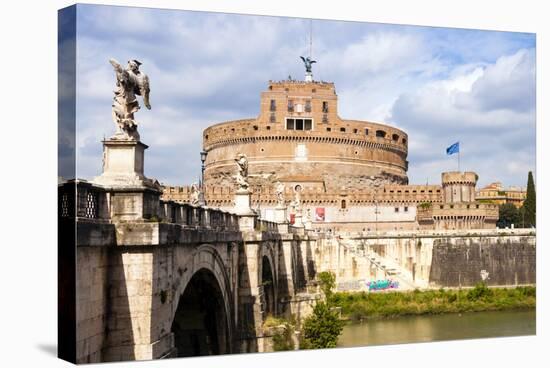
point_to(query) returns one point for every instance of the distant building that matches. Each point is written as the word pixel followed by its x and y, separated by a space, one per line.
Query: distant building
pixel 495 193
pixel 351 174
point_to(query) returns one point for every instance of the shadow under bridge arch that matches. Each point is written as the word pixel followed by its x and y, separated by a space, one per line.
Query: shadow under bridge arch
pixel 202 323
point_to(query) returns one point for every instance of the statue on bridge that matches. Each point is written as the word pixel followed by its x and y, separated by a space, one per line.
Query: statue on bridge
pixel 195 197
pixel 296 204
pixel 129 83
pixel 242 172
pixel 280 191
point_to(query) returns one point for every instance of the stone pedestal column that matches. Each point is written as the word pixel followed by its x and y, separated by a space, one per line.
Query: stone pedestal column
pixel 281 218
pixel 247 217
pixel 132 195
pixel 298 221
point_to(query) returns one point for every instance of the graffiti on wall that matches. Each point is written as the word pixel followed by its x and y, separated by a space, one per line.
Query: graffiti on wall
pixel 382 285
pixel 357 285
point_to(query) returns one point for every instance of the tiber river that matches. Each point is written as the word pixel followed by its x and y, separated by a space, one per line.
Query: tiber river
pixel 438 328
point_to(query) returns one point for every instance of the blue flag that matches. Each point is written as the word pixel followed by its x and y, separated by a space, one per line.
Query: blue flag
pixel 453 148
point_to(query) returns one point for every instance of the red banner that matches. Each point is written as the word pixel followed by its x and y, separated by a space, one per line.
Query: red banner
pixel 292 218
pixel 320 214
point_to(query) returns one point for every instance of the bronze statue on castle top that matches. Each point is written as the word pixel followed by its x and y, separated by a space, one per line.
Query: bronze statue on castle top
pixel 307 63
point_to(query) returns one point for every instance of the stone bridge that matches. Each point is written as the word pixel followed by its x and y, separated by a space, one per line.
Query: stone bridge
pixel 149 279
pixel 176 281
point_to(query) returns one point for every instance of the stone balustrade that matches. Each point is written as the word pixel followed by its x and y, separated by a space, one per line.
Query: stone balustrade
pixel 93 203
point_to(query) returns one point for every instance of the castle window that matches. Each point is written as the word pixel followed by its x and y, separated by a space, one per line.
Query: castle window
pixel 329 129
pixel 395 137
pixel 290 105
pixel 366 132
pixel 206 136
pixel 255 127
pixel 396 209
pixel 272 106
pixel 477 205
pixel 308 106
pixel 380 134
pixel 268 127
pixel 343 129
pixel 299 124
pixel 355 131
pixel 404 141
pixel 406 209
pixel 272 117
pixel 441 207
pixel 325 118
pixel 325 106
pixel 343 204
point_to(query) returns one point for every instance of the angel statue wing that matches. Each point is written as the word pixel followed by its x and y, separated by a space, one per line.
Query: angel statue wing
pixel 116 65
pixel 303 59
pixel 144 90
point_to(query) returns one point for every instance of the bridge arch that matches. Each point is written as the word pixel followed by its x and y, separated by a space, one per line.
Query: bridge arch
pixel 202 318
pixel 268 276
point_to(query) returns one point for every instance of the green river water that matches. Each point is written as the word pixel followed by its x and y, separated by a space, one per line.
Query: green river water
pixel 438 328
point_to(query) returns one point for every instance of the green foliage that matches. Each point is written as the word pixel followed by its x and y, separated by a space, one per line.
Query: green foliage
pixel 327 281
pixel 282 339
pixel 480 291
pixel 508 214
pixel 530 203
pixel 425 205
pixel 322 328
pixel 365 305
pixel 153 218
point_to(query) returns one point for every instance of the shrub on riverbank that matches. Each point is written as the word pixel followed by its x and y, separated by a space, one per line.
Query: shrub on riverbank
pixel 322 328
pixel 365 305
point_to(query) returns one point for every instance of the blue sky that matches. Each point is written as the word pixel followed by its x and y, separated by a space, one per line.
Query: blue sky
pixel 440 85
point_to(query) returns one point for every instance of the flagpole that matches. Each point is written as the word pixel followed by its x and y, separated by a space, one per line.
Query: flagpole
pixel 459 160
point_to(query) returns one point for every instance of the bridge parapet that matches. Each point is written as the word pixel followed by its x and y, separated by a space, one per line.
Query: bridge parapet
pixel 87 201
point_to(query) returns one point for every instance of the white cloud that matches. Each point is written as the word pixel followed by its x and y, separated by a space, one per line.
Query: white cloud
pixel 489 108
pixel 207 68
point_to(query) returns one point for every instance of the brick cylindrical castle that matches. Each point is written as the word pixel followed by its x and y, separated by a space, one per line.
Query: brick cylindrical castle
pixel 299 139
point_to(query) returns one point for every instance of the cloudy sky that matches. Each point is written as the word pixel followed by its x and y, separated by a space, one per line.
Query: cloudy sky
pixel 440 85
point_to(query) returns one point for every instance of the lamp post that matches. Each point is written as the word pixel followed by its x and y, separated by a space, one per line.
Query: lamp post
pixel 203 159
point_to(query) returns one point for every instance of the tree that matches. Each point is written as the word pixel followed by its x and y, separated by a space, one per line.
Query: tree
pixel 327 281
pixel 508 214
pixel 322 328
pixel 530 203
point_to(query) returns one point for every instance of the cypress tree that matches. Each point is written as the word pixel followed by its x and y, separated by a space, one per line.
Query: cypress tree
pixel 530 203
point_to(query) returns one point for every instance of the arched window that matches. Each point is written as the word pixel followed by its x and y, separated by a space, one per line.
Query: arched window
pixel 343 204
pixel 380 134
